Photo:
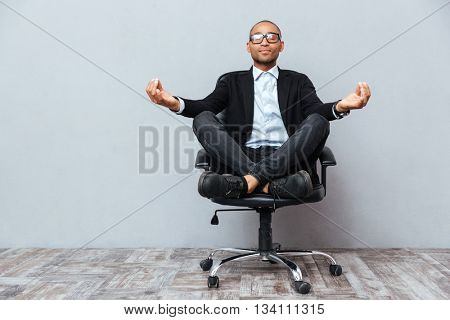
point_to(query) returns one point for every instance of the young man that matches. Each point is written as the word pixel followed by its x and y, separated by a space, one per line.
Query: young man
pixel 275 126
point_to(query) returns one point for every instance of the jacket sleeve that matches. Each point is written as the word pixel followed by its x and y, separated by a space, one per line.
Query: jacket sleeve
pixel 311 103
pixel 215 102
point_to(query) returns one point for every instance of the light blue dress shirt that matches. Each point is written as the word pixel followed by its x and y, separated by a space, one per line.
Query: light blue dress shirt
pixel 268 127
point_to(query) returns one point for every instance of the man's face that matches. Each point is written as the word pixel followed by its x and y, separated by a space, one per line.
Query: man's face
pixel 265 53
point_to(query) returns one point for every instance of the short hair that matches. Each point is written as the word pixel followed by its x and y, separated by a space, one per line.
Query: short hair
pixel 268 21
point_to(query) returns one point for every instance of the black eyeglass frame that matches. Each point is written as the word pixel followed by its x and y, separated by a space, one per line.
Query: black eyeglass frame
pixel 265 36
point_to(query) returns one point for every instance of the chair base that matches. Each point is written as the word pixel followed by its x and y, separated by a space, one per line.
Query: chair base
pixel 276 256
pixel 268 251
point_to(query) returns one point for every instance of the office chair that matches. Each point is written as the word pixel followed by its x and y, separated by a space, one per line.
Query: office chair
pixel 265 205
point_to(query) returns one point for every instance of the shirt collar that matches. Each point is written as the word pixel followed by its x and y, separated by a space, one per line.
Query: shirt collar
pixel 257 72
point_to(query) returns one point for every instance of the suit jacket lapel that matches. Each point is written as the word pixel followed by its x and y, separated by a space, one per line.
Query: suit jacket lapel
pixel 249 96
pixel 283 87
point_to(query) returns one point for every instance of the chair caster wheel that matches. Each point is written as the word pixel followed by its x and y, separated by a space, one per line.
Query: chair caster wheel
pixel 335 269
pixel 302 287
pixel 213 282
pixel 206 264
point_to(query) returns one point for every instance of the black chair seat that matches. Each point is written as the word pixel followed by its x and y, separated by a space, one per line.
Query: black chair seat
pixel 261 200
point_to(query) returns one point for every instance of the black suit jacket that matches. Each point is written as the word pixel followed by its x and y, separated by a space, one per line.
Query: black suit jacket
pixel 234 94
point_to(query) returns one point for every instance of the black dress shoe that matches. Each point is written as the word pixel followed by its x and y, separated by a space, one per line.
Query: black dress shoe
pixel 296 186
pixel 211 185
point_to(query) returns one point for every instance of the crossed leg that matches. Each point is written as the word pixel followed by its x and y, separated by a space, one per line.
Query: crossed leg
pixel 300 151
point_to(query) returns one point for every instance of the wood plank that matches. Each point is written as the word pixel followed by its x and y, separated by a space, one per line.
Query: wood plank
pixel 365 283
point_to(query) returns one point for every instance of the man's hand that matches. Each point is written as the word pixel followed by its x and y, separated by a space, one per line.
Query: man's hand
pixel 159 96
pixel 355 100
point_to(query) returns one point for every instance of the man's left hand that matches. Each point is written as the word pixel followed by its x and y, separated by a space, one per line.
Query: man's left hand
pixel 355 100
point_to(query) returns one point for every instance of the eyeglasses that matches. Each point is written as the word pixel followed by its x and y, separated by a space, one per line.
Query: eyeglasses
pixel 271 37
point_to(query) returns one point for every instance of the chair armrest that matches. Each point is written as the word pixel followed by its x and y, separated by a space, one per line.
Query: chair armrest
pixel 327 157
pixel 203 160
pixel 326 160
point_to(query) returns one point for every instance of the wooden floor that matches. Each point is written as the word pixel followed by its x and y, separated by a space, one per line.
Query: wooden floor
pixel 175 274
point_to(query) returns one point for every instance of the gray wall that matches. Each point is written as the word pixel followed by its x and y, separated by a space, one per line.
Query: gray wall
pixel 70 129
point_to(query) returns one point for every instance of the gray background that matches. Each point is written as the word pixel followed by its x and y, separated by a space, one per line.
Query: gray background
pixel 70 132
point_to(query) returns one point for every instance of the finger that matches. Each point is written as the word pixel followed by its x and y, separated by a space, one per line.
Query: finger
pixel 366 92
pixel 153 88
pixel 159 85
pixel 363 97
pixel 149 87
pixel 365 85
pixel 367 88
pixel 155 84
pixel 358 89
pixel 362 90
pixel 151 98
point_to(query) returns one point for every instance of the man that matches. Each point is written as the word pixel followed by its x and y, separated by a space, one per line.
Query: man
pixel 275 126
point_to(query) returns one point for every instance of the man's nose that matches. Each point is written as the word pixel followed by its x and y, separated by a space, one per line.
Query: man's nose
pixel 265 42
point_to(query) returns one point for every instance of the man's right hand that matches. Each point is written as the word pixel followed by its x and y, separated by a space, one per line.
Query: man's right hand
pixel 161 97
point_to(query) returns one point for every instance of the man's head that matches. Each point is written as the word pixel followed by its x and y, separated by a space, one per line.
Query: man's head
pixel 265 51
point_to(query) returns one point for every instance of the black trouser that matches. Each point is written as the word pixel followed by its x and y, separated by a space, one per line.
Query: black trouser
pixel 266 163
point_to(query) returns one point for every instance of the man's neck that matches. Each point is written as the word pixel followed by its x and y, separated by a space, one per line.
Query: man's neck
pixel 265 67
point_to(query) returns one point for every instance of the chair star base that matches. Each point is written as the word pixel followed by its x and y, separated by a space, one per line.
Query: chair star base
pixel 274 256
pixel 268 251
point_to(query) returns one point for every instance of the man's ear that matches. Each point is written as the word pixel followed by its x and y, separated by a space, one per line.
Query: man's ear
pixel 282 46
pixel 248 47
